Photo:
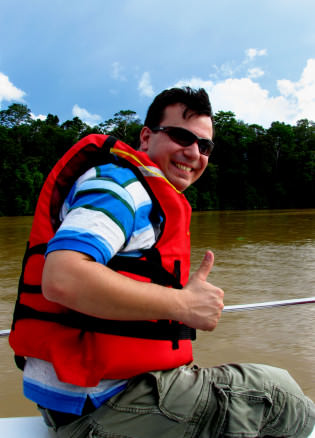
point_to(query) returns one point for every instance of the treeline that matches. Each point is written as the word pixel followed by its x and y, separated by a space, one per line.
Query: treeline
pixel 250 167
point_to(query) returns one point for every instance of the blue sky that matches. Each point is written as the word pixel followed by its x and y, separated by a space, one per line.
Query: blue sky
pixel 93 58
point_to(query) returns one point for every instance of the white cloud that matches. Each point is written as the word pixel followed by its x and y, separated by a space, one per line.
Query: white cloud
pixel 8 91
pixel 85 116
pixel 255 72
pixel 145 86
pixel 226 70
pixel 231 68
pixel 40 117
pixel 253 104
pixel 117 72
pixel 252 53
pixel 250 102
pixel 302 92
pixel 196 83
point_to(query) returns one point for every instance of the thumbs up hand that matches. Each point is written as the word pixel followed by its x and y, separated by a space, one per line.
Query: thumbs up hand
pixel 204 301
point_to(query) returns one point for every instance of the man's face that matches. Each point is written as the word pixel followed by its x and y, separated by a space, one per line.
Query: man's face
pixel 181 165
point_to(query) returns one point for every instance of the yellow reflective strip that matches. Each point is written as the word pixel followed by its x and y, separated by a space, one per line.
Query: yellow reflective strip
pixel 128 154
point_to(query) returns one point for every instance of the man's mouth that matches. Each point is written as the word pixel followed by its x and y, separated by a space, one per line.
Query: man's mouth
pixel 183 167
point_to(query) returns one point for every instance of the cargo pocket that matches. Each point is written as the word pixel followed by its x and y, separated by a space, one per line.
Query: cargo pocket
pixel 188 396
pixel 246 412
pixel 180 393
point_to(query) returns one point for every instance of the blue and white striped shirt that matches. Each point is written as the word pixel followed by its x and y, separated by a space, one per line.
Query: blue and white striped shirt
pixel 106 212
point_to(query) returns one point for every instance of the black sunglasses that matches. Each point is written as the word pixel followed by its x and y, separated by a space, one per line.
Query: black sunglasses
pixel 184 137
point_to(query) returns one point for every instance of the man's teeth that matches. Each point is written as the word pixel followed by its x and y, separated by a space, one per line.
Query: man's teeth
pixel 181 166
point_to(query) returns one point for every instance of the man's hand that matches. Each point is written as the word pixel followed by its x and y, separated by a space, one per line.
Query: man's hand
pixel 204 300
pixel 75 281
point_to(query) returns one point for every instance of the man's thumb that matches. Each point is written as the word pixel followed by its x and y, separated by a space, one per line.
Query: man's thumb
pixel 205 266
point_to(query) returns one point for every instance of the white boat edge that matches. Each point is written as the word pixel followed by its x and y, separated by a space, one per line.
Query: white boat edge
pixel 26 427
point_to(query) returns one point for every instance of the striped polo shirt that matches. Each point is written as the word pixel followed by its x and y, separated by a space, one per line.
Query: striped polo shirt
pixel 107 212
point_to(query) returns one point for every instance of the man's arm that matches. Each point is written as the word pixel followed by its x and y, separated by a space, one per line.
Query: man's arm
pixel 76 281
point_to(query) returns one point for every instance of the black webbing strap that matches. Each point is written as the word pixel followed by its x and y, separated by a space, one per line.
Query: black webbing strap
pixel 31 288
pixel 36 249
pixel 23 287
pixel 155 272
pixel 160 330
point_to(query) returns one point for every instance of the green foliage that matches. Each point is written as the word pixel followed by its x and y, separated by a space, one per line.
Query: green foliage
pixel 125 126
pixel 250 167
pixel 27 184
pixel 192 195
pixel 15 115
pixel 206 196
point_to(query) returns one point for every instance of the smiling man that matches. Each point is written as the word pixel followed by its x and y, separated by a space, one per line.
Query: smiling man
pixel 182 166
pixel 104 324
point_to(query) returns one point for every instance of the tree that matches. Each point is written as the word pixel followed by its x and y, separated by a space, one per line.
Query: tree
pixel 250 167
pixel 204 192
pixel 16 115
pixel 52 120
pixel 232 141
pixel 304 189
pixel 281 143
pixel 75 124
pixel 28 182
pixel 259 168
pixel 125 126
pixel 78 128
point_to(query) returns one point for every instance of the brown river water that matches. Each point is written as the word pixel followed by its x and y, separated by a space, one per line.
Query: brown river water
pixel 259 256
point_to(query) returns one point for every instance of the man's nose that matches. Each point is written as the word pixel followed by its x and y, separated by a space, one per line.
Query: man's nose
pixel 192 151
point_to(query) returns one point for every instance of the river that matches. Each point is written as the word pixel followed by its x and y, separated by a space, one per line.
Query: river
pixel 259 256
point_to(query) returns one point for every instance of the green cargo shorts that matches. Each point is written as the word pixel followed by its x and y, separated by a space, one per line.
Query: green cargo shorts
pixel 227 401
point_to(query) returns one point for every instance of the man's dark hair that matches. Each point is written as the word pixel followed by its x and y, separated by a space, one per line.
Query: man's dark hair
pixel 196 101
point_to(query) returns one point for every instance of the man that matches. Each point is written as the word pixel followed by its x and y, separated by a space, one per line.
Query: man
pixel 108 336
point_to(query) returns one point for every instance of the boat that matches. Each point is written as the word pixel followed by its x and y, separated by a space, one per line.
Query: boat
pixel 30 427
pixel 26 427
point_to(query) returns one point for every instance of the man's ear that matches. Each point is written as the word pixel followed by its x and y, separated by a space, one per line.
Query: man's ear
pixel 144 138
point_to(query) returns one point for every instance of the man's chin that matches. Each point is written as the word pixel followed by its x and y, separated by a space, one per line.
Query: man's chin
pixel 181 186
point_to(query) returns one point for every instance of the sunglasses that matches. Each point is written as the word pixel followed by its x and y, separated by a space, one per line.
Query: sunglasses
pixel 183 137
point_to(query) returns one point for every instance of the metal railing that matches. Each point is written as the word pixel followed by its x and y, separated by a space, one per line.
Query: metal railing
pixel 242 307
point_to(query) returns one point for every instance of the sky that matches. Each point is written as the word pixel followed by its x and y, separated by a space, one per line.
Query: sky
pixel 92 58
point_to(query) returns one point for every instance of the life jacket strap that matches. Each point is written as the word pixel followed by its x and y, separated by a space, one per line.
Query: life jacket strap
pixel 149 269
pixel 159 330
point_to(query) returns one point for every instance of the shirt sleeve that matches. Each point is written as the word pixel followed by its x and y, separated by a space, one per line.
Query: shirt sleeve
pixel 99 215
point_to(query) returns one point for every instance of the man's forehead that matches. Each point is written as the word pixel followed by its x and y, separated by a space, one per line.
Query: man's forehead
pixel 180 112
pixel 180 115
pixel 175 110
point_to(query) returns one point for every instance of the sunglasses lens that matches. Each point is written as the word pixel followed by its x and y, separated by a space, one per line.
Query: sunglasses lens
pixel 205 147
pixel 187 138
pixel 184 137
pixel 181 136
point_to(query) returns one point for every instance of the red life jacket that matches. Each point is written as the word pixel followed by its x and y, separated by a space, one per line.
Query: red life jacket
pixel 85 349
